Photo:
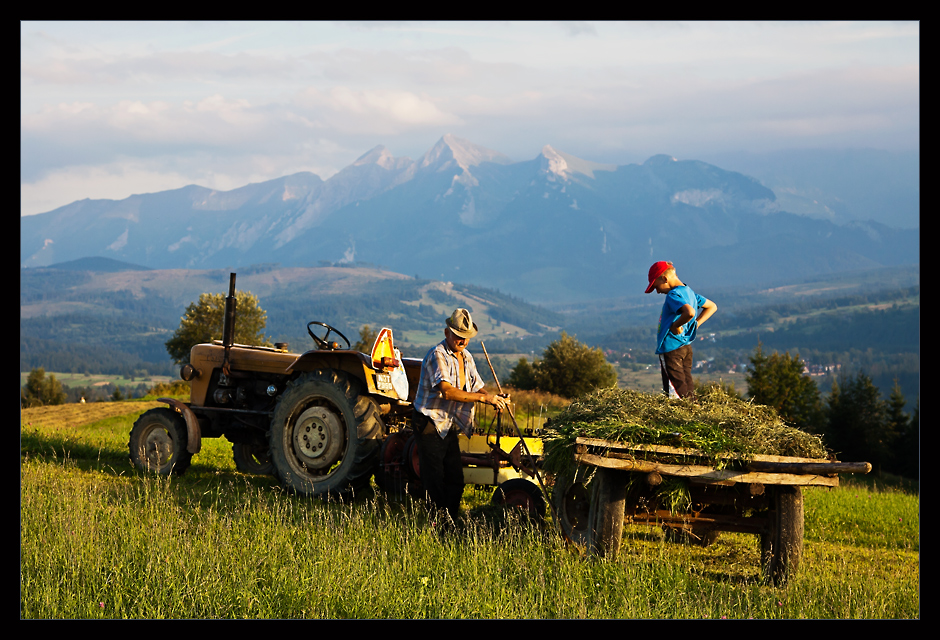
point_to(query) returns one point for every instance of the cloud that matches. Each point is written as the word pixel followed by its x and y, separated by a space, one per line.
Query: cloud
pixel 578 28
pixel 378 111
pixel 216 103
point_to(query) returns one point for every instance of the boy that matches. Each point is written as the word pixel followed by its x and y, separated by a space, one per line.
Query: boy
pixel 677 327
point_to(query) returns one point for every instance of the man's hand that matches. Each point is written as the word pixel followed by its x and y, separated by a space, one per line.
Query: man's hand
pixel 500 402
pixel 450 392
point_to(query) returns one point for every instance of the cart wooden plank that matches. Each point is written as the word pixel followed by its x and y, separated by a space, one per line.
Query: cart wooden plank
pixel 679 451
pixel 707 474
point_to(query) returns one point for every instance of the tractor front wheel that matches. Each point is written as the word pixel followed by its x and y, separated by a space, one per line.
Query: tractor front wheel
pixel 158 442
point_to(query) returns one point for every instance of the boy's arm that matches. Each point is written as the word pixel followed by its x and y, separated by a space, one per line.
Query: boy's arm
pixel 686 313
pixel 708 309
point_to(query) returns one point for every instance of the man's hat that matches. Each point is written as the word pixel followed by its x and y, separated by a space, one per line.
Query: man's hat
pixel 658 269
pixel 461 325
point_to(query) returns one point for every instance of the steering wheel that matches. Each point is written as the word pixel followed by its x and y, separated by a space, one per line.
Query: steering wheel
pixel 322 343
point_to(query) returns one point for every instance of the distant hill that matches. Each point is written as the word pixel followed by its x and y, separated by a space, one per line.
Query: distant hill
pixel 552 229
pixel 118 322
pixel 105 265
pixel 840 185
pixel 78 319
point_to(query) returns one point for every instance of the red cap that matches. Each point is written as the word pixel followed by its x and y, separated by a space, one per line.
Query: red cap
pixel 658 269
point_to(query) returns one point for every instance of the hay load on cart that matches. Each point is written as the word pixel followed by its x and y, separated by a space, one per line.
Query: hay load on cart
pixel 695 469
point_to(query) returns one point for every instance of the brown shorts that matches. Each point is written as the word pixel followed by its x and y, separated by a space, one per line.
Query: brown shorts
pixel 676 368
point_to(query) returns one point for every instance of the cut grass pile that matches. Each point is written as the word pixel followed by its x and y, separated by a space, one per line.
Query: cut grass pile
pixel 718 423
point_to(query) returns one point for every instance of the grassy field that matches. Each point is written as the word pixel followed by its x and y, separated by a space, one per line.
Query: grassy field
pixel 98 379
pixel 100 540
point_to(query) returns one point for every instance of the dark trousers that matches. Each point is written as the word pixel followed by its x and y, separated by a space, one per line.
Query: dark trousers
pixel 676 368
pixel 441 468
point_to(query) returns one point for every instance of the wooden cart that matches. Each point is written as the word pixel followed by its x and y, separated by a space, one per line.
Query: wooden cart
pixel 759 494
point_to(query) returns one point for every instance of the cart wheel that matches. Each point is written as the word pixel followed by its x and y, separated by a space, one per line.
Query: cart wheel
pixel 608 501
pixel 697 536
pixel 782 543
pixel 705 537
pixel 572 504
pixel 523 494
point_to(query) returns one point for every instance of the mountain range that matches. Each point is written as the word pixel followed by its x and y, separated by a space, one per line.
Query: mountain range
pixel 556 228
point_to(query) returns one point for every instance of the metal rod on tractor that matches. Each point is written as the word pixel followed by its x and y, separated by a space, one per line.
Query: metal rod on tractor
pixel 535 469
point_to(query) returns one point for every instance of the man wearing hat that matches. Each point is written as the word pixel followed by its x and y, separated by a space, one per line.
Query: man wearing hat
pixel 447 392
pixel 677 327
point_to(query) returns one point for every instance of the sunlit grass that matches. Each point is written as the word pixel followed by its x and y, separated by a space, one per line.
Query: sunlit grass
pixel 101 540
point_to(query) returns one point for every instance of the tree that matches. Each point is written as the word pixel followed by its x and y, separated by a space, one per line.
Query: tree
pixel 778 381
pixel 568 368
pixel 905 433
pixel 366 341
pixel 523 376
pixel 40 390
pixel 202 322
pixel 858 429
pixel 908 447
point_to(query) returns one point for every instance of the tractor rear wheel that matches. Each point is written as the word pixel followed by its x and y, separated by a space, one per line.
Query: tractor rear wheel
pixel 325 435
pixel 158 442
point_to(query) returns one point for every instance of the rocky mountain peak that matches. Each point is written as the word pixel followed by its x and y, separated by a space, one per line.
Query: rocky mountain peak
pixel 564 165
pixel 381 156
pixel 659 159
pixel 452 152
pixel 553 162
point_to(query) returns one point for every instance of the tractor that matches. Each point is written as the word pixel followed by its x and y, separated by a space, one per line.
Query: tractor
pixel 323 422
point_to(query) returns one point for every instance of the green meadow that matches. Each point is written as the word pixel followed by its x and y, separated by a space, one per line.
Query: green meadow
pixel 98 539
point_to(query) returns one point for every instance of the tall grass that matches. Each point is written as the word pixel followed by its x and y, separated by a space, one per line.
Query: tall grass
pixel 100 540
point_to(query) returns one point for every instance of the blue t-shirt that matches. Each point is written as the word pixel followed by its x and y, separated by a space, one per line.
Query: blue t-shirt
pixel 677 298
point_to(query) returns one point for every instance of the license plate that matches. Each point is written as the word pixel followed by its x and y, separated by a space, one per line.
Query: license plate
pixel 383 382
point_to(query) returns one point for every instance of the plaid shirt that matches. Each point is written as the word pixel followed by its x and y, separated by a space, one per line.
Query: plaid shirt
pixel 438 366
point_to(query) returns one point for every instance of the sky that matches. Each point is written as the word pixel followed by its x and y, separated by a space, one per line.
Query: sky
pixel 111 109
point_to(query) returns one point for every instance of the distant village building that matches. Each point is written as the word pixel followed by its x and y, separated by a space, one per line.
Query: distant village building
pixel 820 369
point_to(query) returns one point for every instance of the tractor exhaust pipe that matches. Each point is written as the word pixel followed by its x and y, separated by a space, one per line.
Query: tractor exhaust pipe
pixel 228 320
pixel 228 326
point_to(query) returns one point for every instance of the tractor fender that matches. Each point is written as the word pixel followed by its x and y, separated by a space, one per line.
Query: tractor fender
pixel 344 359
pixel 193 432
pixel 360 366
